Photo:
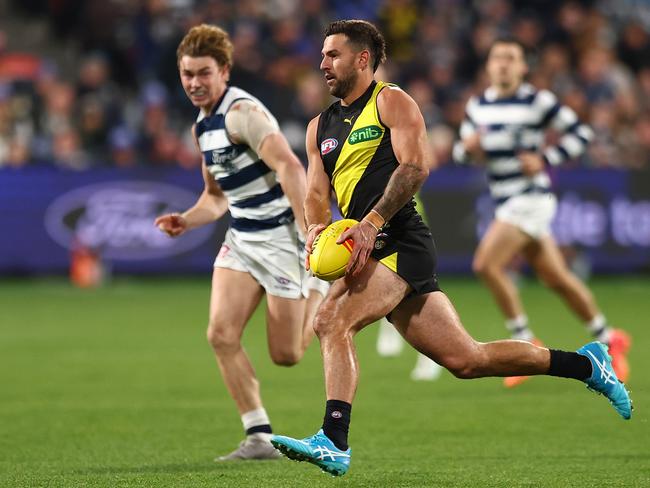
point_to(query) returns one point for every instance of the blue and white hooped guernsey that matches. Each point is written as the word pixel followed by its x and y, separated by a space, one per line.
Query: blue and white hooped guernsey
pixel 255 198
pixel 518 123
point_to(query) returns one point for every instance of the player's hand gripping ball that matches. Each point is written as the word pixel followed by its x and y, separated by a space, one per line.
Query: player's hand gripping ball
pixel 328 259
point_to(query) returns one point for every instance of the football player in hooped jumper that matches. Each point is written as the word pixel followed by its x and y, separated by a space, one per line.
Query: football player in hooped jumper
pixel 504 129
pixel 379 162
pixel 249 169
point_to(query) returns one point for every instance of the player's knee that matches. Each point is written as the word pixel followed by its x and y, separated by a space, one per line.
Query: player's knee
pixel 460 368
pixel 321 320
pixel 221 338
pixel 327 324
pixel 463 366
pixel 320 325
pixel 285 357
pixel 480 267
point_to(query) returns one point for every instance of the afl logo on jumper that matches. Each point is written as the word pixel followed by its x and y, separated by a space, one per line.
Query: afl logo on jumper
pixel 328 145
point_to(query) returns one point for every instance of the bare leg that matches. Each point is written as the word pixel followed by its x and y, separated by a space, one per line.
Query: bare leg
pixel 313 301
pixel 284 322
pixel 235 295
pixel 431 325
pixel 501 243
pixel 552 270
pixel 346 310
pixel 545 257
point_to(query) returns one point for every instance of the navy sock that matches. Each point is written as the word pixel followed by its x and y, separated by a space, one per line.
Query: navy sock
pixel 337 422
pixel 266 428
pixel 569 365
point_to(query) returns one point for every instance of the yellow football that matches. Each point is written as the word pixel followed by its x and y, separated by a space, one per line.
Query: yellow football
pixel 329 259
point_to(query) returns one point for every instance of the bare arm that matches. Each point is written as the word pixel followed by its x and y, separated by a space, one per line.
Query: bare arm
pixel 247 123
pixel 409 140
pixel 277 154
pixel 317 204
pixel 210 206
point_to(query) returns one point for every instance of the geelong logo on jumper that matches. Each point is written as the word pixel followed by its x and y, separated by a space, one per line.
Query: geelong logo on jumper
pixel 117 219
pixel 364 134
pixel 224 156
pixel 328 145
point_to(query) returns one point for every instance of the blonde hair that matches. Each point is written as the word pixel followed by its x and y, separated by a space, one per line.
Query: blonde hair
pixel 206 40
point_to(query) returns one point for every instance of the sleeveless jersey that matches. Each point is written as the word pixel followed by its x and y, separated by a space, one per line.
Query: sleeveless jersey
pixel 255 198
pixel 356 150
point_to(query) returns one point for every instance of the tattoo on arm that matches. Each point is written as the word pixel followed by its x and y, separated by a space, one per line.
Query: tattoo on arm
pixel 402 185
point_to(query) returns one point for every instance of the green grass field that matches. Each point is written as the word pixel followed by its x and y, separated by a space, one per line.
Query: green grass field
pixel 118 387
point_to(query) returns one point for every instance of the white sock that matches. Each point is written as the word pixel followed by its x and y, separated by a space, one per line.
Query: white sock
pixel 598 328
pixel 518 328
pixel 255 418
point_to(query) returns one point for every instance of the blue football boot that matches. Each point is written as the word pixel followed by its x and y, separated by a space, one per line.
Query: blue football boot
pixel 317 449
pixel 603 379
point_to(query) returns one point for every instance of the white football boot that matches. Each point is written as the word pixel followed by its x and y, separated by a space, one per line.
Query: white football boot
pixel 252 448
pixel 425 369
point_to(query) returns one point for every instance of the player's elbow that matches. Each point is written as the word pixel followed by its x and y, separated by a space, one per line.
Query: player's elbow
pixel 313 199
pixel 420 172
pixel 317 201
pixel 218 204
pixel 424 170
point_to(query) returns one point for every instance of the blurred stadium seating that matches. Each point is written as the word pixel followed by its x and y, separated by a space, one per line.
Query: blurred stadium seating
pixel 92 87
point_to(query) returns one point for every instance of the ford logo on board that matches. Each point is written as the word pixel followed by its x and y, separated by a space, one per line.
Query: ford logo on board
pixel 117 218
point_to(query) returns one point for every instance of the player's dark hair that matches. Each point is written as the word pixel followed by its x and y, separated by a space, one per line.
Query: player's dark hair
pixel 363 35
pixel 509 40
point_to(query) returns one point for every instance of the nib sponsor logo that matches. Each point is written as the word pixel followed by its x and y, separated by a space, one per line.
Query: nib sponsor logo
pixel 364 134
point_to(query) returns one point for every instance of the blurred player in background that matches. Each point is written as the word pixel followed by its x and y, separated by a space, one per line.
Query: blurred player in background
pixel 371 147
pixel 249 169
pixel 505 129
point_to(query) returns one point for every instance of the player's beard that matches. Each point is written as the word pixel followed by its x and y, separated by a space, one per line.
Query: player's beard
pixel 344 85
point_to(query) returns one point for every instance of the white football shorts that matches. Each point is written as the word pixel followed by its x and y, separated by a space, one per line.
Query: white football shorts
pixel 532 213
pixel 275 259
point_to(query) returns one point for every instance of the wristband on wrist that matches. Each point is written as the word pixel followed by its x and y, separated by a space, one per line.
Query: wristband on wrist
pixel 375 219
pixel 373 225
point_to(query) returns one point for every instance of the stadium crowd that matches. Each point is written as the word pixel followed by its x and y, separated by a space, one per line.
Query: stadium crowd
pixel 123 104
